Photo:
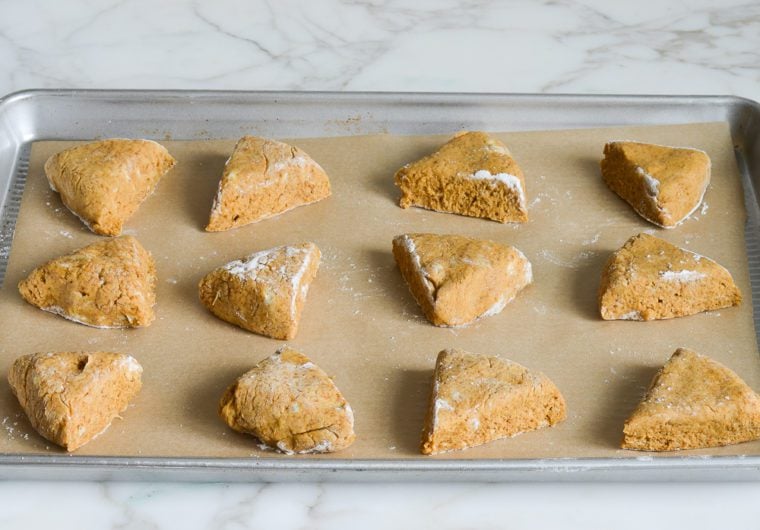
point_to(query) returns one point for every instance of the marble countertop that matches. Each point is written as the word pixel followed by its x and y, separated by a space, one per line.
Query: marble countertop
pixel 592 46
pixel 589 46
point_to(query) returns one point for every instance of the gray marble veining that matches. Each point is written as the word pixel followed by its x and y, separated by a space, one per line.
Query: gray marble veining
pixel 594 46
pixel 588 46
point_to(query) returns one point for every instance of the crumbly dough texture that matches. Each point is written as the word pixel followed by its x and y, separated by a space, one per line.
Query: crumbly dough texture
pixel 457 279
pixel 265 292
pixel 71 397
pixel 264 178
pixel 104 182
pixel 289 404
pixel 473 174
pixel 477 399
pixel 693 402
pixel 663 184
pixel 651 279
pixel 109 284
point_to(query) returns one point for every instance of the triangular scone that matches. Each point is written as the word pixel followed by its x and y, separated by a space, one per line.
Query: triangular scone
pixel 693 402
pixel 104 182
pixel 109 284
pixel 473 174
pixel 651 279
pixel 69 397
pixel 456 279
pixel 264 178
pixel 477 399
pixel 663 184
pixel 264 292
pixel 289 404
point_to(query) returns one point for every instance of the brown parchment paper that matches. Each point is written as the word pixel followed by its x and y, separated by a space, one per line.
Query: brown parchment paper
pixel 361 324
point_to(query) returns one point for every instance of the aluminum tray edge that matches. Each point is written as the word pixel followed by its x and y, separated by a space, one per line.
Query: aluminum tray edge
pixel 30 115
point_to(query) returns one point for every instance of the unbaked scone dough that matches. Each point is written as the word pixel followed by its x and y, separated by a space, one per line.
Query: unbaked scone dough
pixel 651 279
pixel 264 292
pixel 473 174
pixel 289 404
pixel 663 184
pixel 457 279
pixel 264 178
pixel 477 399
pixel 70 397
pixel 104 182
pixel 693 402
pixel 109 284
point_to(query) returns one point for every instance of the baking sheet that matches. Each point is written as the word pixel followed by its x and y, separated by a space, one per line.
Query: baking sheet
pixel 360 323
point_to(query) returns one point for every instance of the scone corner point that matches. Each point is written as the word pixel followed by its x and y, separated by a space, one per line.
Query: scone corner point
pixel 649 278
pixel 107 284
pixel 663 184
pixel 290 405
pixel 457 280
pixel 473 174
pixel 265 292
pixel 104 182
pixel 264 178
pixel 72 397
pixel 477 399
pixel 693 402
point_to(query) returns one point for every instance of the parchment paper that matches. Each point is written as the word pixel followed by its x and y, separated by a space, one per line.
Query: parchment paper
pixel 361 324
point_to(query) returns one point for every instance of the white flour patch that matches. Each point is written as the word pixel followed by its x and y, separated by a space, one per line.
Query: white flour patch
pixel 591 241
pixel 573 262
pixel 12 429
pixel 684 276
pixel 541 198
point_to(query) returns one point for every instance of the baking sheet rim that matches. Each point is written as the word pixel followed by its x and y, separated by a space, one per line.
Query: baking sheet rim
pixel 557 465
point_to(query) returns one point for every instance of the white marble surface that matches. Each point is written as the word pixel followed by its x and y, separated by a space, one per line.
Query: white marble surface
pixel 648 46
pixel 593 46
pixel 285 506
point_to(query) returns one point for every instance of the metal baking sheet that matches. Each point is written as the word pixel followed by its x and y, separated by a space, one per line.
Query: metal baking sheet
pixel 68 115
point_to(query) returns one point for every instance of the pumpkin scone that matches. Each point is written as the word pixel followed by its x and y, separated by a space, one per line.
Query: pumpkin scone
pixel 456 279
pixel 109 284
pixel 290 405
pixel 69 397
pixel 477 399
pixel 104 182
pixel 473 174
pixel 693 402
pixel 265 292
pixel 651 279
pixel 264 178
pixel 663 184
